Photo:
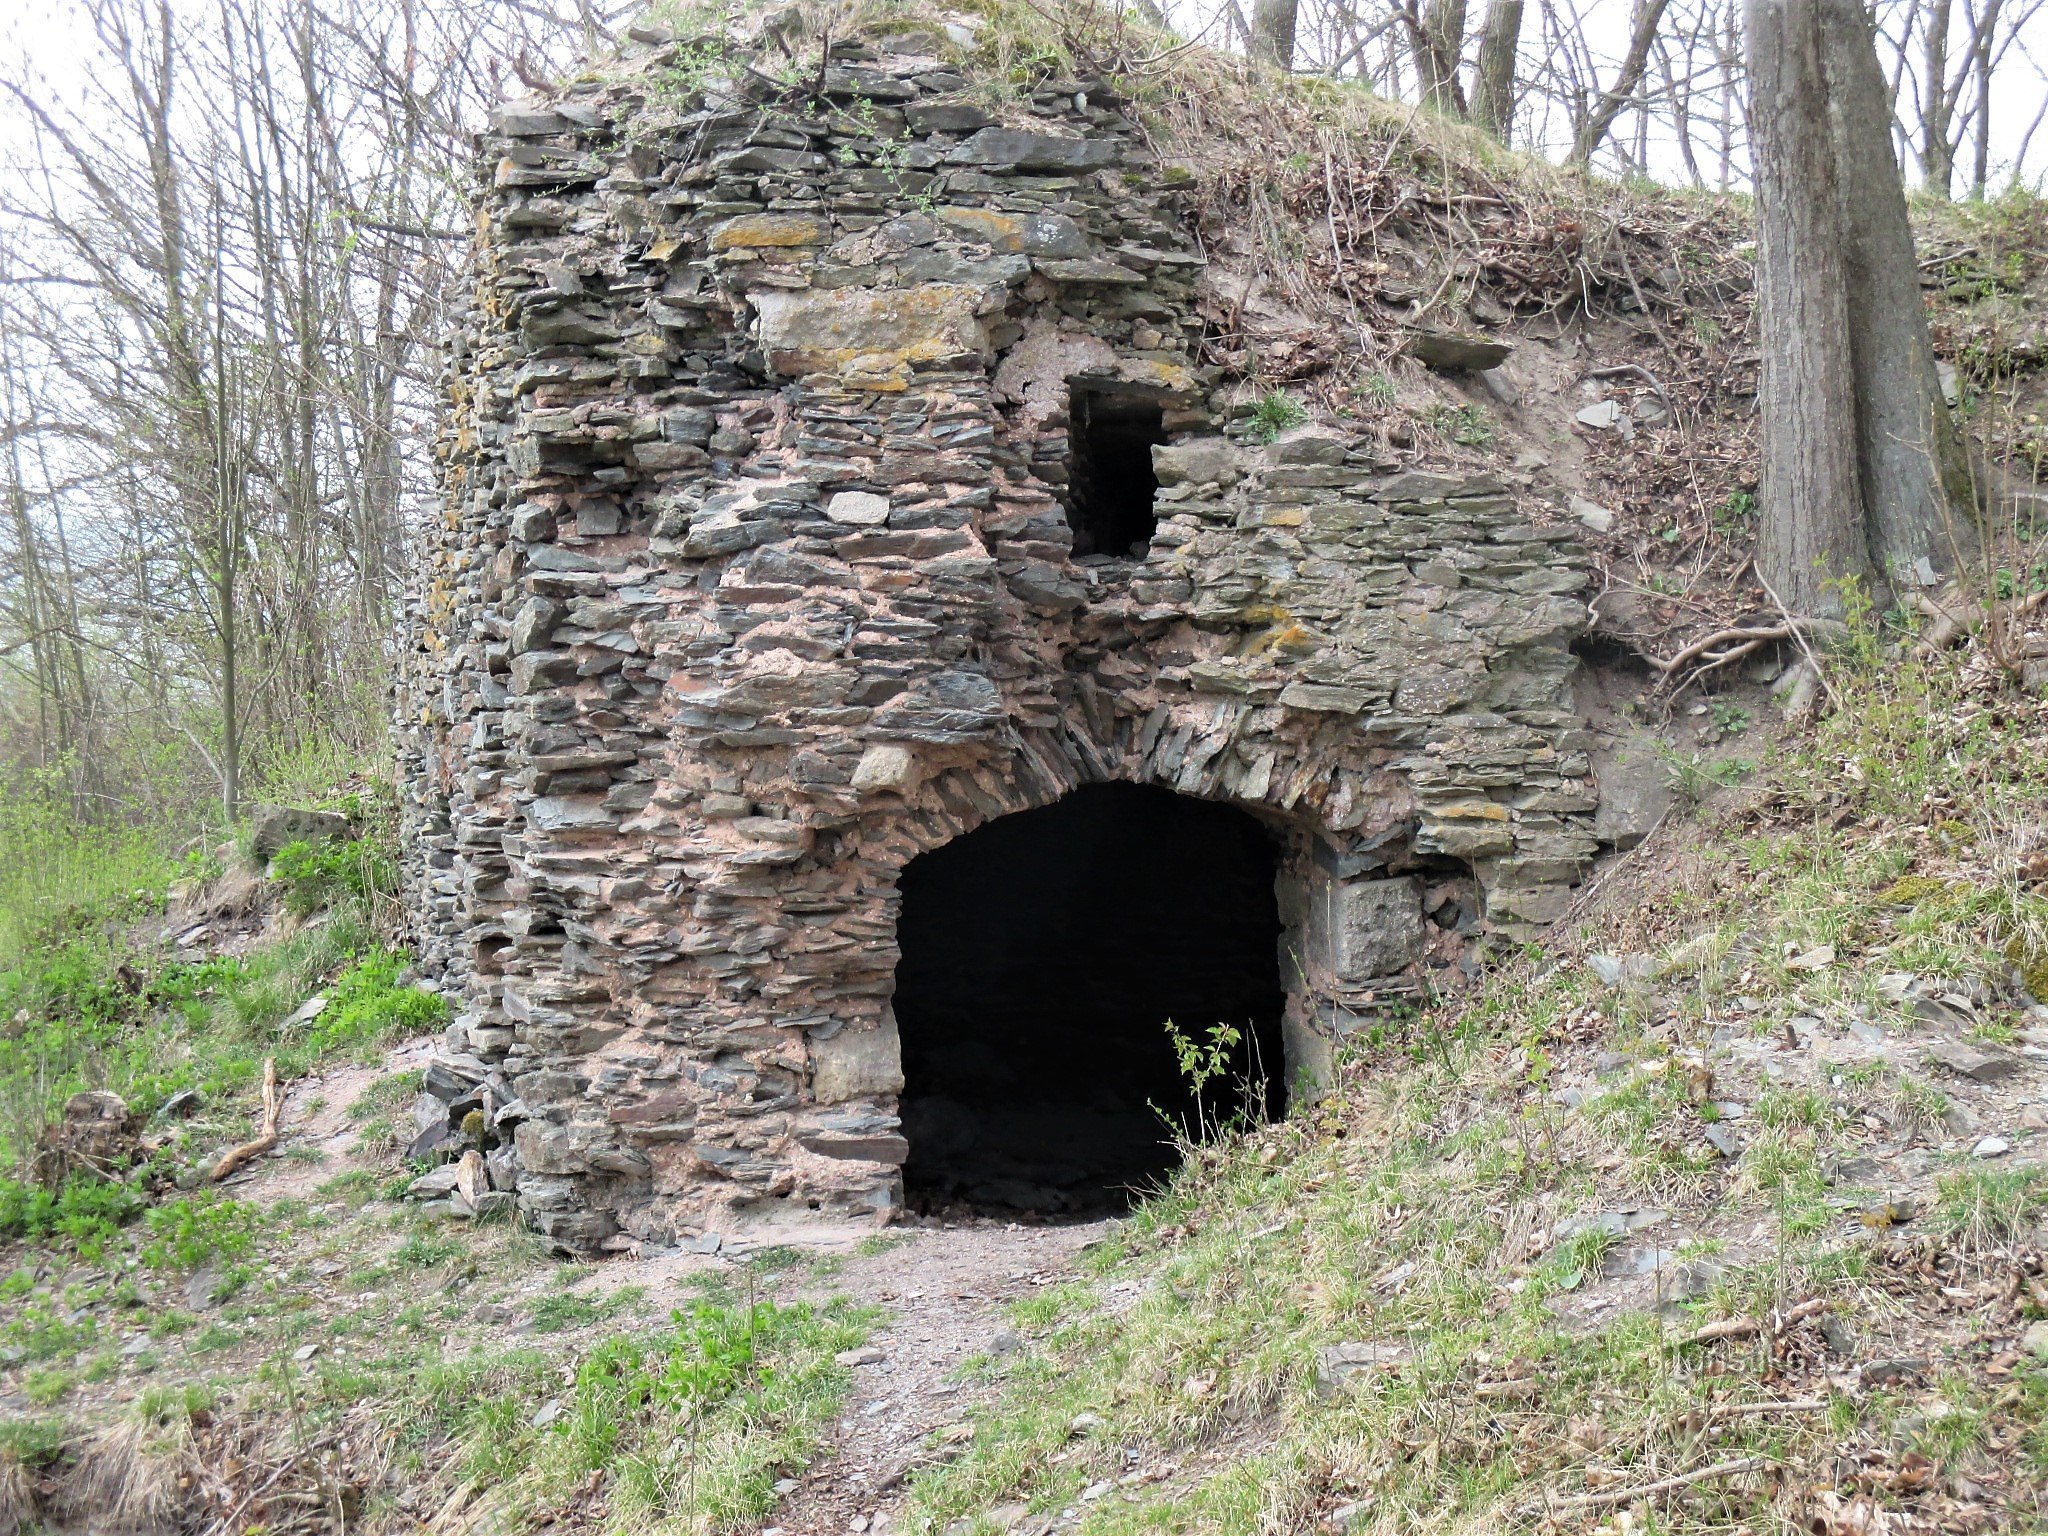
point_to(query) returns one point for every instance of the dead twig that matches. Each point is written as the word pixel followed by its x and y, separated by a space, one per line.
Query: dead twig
pixel 1615 1496
pixel 1805 646
pixel 1747 1410
pixel 266 1138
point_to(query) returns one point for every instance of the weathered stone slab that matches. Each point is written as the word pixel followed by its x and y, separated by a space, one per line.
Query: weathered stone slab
pixel 857 1063
pixel 1012 149
pixel 880 333
pixel 1448 353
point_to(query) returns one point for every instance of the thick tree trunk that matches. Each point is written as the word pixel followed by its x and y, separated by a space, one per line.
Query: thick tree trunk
pixel 1493 76
pixel 1914 471
pixel 1438 45
pixel 1273 24
pixel 1812 503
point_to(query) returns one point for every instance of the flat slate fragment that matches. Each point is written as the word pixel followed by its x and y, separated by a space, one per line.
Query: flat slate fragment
pixel 1966 1060
pixel 1448 353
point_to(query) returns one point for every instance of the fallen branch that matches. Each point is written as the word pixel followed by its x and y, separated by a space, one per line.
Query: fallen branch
pixel 265 1139
pixel 1663 1485
pixel 1743 1327
pixel 1636 371
pixel 1727 1328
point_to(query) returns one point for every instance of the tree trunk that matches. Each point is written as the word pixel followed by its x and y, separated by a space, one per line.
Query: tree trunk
pixel 1493 76
pixel 1438 44
pixel 1273 24
pixel 1983 57
pixel 1937 154
pixel 1642 35
pixel 1913 468
pixel 1812 524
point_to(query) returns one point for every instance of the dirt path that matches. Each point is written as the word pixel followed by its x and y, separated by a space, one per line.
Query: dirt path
pixel 318 1134
pixel 944 1289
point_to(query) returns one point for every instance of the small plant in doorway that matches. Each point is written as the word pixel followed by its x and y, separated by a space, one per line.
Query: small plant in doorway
pixel 1204 1059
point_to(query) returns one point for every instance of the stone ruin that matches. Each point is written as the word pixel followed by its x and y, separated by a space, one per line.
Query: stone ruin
pixel 872 671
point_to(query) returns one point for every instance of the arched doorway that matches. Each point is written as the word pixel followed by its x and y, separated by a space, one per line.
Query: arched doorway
pixel 1042 956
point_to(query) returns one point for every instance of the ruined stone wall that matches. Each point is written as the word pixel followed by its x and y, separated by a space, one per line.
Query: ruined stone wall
pixel 756 579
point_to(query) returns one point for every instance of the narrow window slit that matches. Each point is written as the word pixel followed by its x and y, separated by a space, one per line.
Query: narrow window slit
pixel 1112 488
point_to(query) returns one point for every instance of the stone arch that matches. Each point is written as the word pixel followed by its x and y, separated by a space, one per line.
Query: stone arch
pixel 1040 957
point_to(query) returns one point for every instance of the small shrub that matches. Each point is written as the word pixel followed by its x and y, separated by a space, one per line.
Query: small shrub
pixel 190 1231
pixel 1465 425
pixel 86 1210
pixel 48 1385
pixel 319 875
pixel 1991 1206
pixel 27 1442
pixel 424 1250
pixel 1275 413
pixel 173 1402
pixel 367 1005
pixel 1379 389
pixel 1694 776
pixel 41 1331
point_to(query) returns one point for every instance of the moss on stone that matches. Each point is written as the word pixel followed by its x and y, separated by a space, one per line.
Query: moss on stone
pixel 2029 957
pixel 1911 890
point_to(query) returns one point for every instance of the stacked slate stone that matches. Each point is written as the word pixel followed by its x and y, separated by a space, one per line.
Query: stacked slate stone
pixel 756 579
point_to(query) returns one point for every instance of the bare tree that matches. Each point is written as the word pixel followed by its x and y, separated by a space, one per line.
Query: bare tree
pixel 1597 117
pixel 229 259
pixel 1436 39
pixel 1948 57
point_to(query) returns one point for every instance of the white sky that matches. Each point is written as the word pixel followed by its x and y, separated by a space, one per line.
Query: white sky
pixel 50 43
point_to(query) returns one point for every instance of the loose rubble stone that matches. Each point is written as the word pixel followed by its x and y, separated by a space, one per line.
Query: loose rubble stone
pixel 307 1011
pixel 434 1183
pixel 1596 517
pixel 1621 970
pixel 271 827
pixel 1723 1140
pixel 1456 354
pixel 1339 1367
pixel 757 578
pixel 861 509
pixel 1966 1060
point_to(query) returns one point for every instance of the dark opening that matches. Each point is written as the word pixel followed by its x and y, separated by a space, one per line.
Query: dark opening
pixel 1042 958
pixel 1112 486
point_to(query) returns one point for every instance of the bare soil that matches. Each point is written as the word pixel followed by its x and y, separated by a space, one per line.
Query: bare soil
pixel 945 1288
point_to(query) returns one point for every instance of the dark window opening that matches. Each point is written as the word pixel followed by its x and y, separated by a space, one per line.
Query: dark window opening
pixel 1042 957
pixel 1112 487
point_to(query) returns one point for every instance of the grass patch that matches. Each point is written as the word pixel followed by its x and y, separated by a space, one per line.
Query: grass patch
pixel 51 863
